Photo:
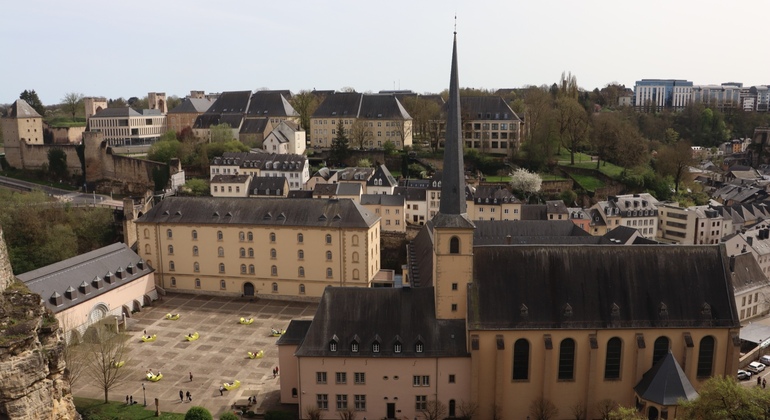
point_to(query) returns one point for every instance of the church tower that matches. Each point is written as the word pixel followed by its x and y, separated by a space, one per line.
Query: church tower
pixel 452 230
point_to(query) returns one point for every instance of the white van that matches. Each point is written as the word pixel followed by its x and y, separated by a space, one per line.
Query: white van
pixel 765 359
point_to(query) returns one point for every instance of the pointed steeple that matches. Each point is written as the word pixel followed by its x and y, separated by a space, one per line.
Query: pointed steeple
pixel 453 177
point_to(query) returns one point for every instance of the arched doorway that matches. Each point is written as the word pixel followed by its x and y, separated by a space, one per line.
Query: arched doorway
pixel 248 289
pixel 652 414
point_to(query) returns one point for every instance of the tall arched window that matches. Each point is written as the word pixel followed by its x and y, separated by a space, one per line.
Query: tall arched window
pixel 301 289
pixel 275 287
pixel 195 235
pixel 355 240
pixel 242 252
pixel 328 238
pixel 243 268
pixel 329 273
pixel 173 281
pixel 222 284
pixel 171 250
pixel 521 360
pixel 221 251
pixel 706 356
pixel 197 283
pixel 454 245
pixel 251 252
pixel 220 236
pixel 301 271
pixel 273 253
pixel 169 233
pixel 300 238
pixel 195 251
pixel 147 248
pixel 196 267
pixel 301 254
pixel 328 255
pixel 567 359
pixel 355 257
pixel 612 362
pixel 251 268
pixel 241 236
pixel 221 267
pixel 171 266
pixel 272 236
pixel 273 271
pixel 660 349
pixel 250 237
pixel 146 234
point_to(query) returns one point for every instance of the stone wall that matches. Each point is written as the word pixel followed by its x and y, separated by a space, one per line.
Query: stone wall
pixel 34 156
pixel 66 135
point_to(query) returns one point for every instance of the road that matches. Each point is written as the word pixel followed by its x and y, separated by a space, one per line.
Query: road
pixel 75 197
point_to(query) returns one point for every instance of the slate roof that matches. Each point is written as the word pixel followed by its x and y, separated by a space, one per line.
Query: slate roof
pixel 747 274
pixel 88 275
pixel 361 105
pixel 555 207
pixel 233 120
pixel 285 131
pixel 295 332
pixel 534 212
pixel 349 188
pixel 206 120
pixel 116 112
pixel 383 199
pixel 264 161
pixel 339 104
pixel 355 174
pixel 665 383
pixel 325 190
pixel 324 173
pixel 192 106
pixel 490 194
pixel 231 102
pixel 567 286
pixel 21 109
pixel 330 213
pixel 386 315
pixel 382 173
pixel 411 193
pixel 486 108
pixel 303 194
pixel 268 104
pixel 382 106
pixel 491 232
pixel 254 126
pixel 261 184
pixel 229 179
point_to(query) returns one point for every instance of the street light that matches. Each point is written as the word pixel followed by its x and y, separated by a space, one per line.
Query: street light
pixel 144 395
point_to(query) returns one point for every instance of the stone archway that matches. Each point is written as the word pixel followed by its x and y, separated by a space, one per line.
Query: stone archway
pixel 248 289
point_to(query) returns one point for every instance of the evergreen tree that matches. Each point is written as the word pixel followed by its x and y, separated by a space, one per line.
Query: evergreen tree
pixel 30 96
pixel 340 145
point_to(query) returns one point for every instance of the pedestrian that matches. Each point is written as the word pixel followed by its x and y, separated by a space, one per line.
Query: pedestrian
pixel 145 333
pixel 254 399
pixel 759 381
pixel 189 396
pixel 131 400
pixel 126 399
pixel 273 373
pixel 221 390
pixel 190 376
pixel 764 383
pixel 181 396
pixel 277 371
pixel 249 400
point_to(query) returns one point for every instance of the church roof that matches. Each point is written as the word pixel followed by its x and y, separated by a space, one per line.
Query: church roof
pixel 665 383
pixel 600 286
pixel 489 232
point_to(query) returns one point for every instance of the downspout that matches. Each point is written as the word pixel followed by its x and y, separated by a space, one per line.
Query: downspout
pixel 160 256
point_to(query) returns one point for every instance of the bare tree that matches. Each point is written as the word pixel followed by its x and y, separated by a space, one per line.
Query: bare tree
pixel 73 353
pixel 305 103
pixel 347 414
pixel 434 410
pixel 313 412
pixel 71 102
pixel 404 130
pixel 579 410
pixel 102 349
pixel 543 409
pixel 605 407
pixel 468 410
pixel 358 132
pixel 574 124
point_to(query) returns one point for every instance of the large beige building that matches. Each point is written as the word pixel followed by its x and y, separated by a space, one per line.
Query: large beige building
pixel 697 225
pixel 489 125
pixel 128 127
pixel 259 246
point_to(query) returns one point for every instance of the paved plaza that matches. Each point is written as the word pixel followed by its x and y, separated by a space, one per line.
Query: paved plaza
pixel 218 356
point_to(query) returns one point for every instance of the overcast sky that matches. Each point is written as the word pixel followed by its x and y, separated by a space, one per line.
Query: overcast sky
pixel 129 48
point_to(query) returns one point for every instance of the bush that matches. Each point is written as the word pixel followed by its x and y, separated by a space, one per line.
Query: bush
pixel 198 413
pixel 279 415
pixel 228 416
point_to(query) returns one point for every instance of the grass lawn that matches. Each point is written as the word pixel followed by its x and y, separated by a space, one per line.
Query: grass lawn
pixel 579 157
pixel 588 183
pixel 551 177
pixel 97 409
pixel 497 178
pixel 612 171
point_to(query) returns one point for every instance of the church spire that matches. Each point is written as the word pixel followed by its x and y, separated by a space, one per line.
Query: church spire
pixel 453 177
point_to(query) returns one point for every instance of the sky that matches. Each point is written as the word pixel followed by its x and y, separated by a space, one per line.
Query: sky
pixel 129 48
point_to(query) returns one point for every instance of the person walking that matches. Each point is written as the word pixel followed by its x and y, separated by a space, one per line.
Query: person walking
pixel 759 381
pixel 126 399
pixel 189 396
pixel 181 396
pixel 190 376
pixel 221 390
pixel 131 400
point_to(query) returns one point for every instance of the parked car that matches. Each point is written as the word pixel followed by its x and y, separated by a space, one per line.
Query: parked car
pixel 755 367
pixel 743 375
pixel 765 360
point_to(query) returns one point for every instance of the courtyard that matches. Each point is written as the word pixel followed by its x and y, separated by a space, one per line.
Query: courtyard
pixel 218 356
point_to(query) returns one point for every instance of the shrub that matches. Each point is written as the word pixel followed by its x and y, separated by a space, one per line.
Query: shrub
pixel 198 413
pixel 228 416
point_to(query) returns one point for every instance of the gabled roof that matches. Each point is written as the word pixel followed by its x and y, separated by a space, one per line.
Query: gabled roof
pixel 192 106
pixel 382 106
pixel 285 131
pixel 355 174
pixel 386 315
pixel 486 108
pixel 339 104
pixel 411 194
pixel 534 212
pixel 231 102
pixel 21 109
pixel 263 161
pixel 229 179
pixel 325 190
pixel 261 184
pixel 381 173
pixel 383 199
pixel 490 232
pixel 578 286
pixel 666 383
pixel 349 189
pixel 295 332
pixel 254 126
pixel 116 112
pixel 257 211
pixel 89 275
pixel 267 104
pixel 302 194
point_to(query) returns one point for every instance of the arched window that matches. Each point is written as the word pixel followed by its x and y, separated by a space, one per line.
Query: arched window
pixel 300 238
pixel 355 274
pixel 273 253
pixel 355 257
pixel 660 349
pixel 301 289
pixel 169 234
pixel 275 287
pixel 221 267
pixel 251 252
pixel 197 283
pixel 243 268
pixel 195 235
pixel 612 362
pixel 521 360
pixel 294 392
pixel 355 240
pixel 706 356
pixel 329 273
pixel 173 281
pixel 273 271
pixel 328 238
pixel 301 254
pixel 301 271
pixel 221 251
pixel 328 255
pixel 220 236
pixel 146 234
pixel 196 267
pixel 241 236
pixel 222 284
pixel 195 251
pixel 272 237
pixel 171 266
pixel 567 359
pixel 242 252
pixel 147 248
pixel 171 250
pixel 251 268
pixel 454 245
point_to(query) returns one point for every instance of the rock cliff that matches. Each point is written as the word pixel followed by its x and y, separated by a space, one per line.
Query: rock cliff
pixel 31 354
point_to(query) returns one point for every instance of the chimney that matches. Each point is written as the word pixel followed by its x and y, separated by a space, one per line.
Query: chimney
pixel 732 264
pixel 55 299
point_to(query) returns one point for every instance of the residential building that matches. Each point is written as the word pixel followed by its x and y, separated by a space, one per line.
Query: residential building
pixel 295 168
pixel 259 246
pixel 286 138
pixel 230 185
pixel 416 204
pixel 375 118
pixel 662 93
pixel 752 287
pixel 185 114
pixel 350 190
pixel 390 208
pixel 381 182
pixel 229 108
pixel 324 175
pixel 83 290
pixel 489 125
pixel 638 211
pixel 355 175
pixel 22 125
pixel 266 110
pixel 755 240
pixel 697 225
pixel 269 187
pixel 129 127
pixel 492 202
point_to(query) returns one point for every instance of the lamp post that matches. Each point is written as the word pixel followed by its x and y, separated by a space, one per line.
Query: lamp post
pixel 144 396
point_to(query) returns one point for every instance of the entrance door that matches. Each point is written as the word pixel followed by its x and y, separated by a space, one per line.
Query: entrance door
pixel 653 413
pixel 248 289
pixel 391 410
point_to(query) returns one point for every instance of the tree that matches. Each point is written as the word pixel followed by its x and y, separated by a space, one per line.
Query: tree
pixel 674 161
pixel 541 137
pixel 364 163
pixel 424 113
pixel 221 133
pixel 573 124
pixel 196 187
pixel 72 102
pixel 30 97
pixel 72 352
pixel 467 410
pixel 722 397
pixel 525 182
pixel 305 103
pixel 117 103
pixel 605 407
pixel 198 413
pixel 57 163
pixel 103 348
pixel 164 151
pixel 625 413
pixel 313 412
pixel 543 409
pixel 340 149
pixel 389 148
pixel 403 129
pixel 434 410
pixel 358 133
pixel 347 414
pixel 579 410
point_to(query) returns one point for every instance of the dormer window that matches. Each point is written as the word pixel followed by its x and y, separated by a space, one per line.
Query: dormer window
pixel 397 347
pixel 418 347
pixel 376 347
pixel 333 345
pixel 354 347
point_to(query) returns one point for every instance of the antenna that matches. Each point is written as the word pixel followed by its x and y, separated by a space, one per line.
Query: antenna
pixel 455 23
